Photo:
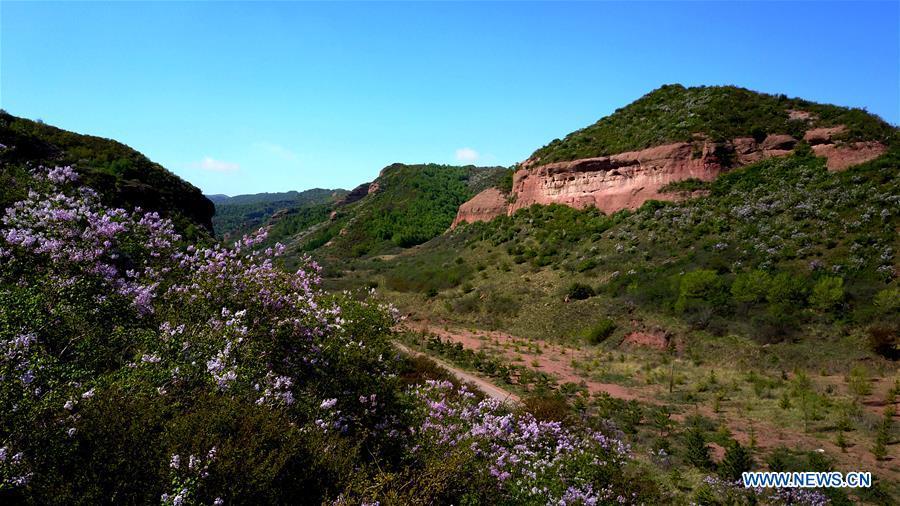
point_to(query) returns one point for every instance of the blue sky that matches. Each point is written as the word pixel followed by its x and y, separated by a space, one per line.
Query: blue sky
pixel 250 97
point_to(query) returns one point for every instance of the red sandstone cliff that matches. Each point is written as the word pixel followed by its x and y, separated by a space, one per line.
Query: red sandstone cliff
pixel 485 206
pixel 627 180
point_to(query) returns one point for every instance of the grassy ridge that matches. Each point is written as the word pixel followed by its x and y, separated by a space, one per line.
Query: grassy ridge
pixel 674 113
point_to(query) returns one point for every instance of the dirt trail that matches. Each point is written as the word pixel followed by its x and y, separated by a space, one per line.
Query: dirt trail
pixel 489 389
pixel 556 360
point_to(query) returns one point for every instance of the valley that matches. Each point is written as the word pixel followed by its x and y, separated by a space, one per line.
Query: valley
pixel 740 283
pixel 711 286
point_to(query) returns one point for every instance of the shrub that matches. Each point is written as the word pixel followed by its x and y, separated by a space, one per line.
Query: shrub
pixel 579 291
pixel 700 288
pixel 548 408
pixel 888 300
pixel 827 293
pixel 750 287
pixel 884 339
pixel 600 331
pixel 586 265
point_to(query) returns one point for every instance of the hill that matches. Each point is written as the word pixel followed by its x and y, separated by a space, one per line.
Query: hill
pixel 123 176
pixel 758 297
pixel 405 206
pixel 675 134
pixel 768 301
pixel 674 113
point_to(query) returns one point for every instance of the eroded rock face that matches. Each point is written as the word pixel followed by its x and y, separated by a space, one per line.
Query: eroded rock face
pixel 485 206
pixel 627 180
pixel 611 183
pixel 842 156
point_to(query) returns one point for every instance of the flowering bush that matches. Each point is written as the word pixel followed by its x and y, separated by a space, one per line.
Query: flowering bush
pixel 102 305
pixel 718 491
pixel 523 460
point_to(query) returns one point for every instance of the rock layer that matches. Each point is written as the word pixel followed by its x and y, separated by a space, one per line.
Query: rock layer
pixel 611 183
pixel 627 180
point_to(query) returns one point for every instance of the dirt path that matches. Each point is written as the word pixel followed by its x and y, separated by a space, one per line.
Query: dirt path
pixel 556 360
pixel 489 389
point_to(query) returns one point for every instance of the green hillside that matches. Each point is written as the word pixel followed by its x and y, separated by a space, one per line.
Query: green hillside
pixel 412 204
pixel 123 176
pixel 776 248
pixel 674 113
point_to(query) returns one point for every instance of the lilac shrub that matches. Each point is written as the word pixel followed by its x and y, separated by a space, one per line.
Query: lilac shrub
pixel 715 490
pixel 527 460
pixel 101 301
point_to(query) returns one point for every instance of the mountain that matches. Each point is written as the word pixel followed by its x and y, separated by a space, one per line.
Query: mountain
pixel 676 133
pixel 720 114
pixel 122 176
pixel 286 211
pixel 217 198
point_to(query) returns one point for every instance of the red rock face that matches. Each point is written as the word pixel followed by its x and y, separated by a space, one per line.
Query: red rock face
pixel 485 206
pixel 842 156
pixel 611 183
pixel 627 180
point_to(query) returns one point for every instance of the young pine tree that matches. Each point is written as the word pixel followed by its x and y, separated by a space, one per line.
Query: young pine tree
pixel 696 451
pixel 737 460
pixel 882 438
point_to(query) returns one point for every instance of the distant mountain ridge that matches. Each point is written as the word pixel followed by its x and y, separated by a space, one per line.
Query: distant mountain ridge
pixel 256 198
pixel 242 214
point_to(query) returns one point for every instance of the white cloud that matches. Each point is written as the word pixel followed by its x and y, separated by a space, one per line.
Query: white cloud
pixel 467 155
pixel 277 150
pixel 212 165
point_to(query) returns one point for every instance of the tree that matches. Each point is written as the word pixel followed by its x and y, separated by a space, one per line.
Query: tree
pixel 750 287
pixel 698 289
pixel 696 451
pixel 882 438
pixel 827 293
pixel 785 294
pixel 737 460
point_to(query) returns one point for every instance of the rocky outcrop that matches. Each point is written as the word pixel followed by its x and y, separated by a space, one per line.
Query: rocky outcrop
pixel 485 206
pixel 842 156
pixel 622 181
pixel 627 180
